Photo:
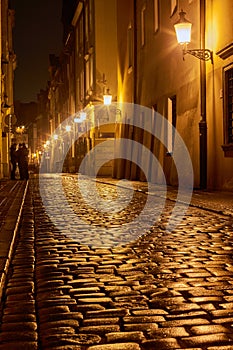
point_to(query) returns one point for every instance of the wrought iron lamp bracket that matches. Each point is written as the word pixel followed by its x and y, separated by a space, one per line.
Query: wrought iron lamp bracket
pixel 202 54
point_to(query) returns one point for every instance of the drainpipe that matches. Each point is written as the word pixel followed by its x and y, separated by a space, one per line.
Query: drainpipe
pixel 203 123
pixel 135 52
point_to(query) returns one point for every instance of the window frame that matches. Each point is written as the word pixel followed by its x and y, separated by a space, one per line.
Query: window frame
pixel 228 145
pixel 156 16
pixel 143 25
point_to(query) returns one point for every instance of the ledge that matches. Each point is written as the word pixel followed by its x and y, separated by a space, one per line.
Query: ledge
pixel 228 150
pixel 226 52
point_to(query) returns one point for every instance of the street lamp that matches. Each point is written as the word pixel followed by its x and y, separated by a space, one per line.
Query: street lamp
pixel 107 98
pixel 183 29
pixel 80 117
pixel 183 33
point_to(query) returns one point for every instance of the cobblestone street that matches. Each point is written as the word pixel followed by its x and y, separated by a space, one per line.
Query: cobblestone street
pixel 162 290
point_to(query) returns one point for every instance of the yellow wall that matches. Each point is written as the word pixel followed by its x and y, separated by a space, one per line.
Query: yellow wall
pixel 219 34
pixel 162 72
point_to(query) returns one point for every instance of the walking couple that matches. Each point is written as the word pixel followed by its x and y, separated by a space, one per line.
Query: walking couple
pixel 19 156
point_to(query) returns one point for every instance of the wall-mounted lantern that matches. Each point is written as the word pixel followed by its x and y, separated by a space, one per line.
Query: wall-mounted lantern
pixel 107 98
pixel 183 29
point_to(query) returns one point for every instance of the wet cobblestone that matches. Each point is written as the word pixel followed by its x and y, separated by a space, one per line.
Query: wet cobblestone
pixel 164 290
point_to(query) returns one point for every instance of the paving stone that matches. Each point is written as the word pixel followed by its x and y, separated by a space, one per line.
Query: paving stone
pixel 20 297
pixel 108 312
pixel 19 326
pixel 19 345
pixel 228 320
pixel 121 346
pixel 169 332
pixel 27 317
pixel 54 309
pixel 22 289
pixel 56 302
pixel 52 317
pixel 144 327
pixel 224 347
pixel 97 300
pixel 186 322
pixel 18 336
pixel 73 339
pixel 143 319
pixel 161 344
pixel 125 337
pixel 100 321
pixel 204 340
pixel 20 309
pixel 100 329
pixel 209 329
pixel 149 312
pixel 63 347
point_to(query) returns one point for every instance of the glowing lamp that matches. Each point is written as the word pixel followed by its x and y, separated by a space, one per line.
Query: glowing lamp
pixel 107 98
pixel 183 29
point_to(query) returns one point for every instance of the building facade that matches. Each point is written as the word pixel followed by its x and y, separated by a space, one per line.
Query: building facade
pixel 7 67
pixel 154 73
pixel 132 50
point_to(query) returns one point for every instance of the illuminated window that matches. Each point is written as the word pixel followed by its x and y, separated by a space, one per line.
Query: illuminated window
pixel 173 7
pixel 143 12
pixel 130 46
pixel 228 110
pixel 171 116
pixel 229 105
pixel 156 15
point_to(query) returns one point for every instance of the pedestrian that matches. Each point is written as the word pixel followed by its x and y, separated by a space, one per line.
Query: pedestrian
pixel 14 160
pixel 23 161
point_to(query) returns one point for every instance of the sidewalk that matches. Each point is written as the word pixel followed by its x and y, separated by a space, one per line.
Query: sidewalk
pixel 220 202
pixel 12 195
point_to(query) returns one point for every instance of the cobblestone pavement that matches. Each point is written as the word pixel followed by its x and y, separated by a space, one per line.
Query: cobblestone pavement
pixel 164 290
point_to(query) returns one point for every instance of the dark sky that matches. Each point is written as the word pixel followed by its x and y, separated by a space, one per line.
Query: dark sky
pixel 37 33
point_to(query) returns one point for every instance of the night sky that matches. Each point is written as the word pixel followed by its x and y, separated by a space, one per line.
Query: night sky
pixel 37 33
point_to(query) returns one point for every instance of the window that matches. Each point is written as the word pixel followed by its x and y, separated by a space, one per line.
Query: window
pixel 143 11
pixel 171 116
pixel 156 15
pixel 130 47
pixel 87 22
pixel 80 34
pixel 173 7
pixel 228 111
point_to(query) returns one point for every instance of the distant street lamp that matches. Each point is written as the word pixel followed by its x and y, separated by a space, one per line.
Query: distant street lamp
pixel 107 98
pixel 20 129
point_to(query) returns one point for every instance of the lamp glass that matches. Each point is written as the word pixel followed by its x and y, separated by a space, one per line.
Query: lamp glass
pixel 68 128
pixel 183 32
pixel 107 99
pixel 83 115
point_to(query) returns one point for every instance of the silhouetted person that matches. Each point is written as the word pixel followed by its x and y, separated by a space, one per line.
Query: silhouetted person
pixel 14 160
pixel 23 161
